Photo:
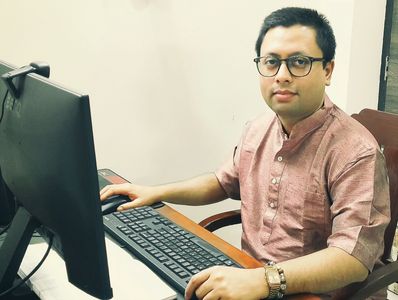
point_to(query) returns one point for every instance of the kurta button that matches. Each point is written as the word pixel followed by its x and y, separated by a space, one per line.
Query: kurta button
pixel 274 181
pixel 272 205
pixel 280 158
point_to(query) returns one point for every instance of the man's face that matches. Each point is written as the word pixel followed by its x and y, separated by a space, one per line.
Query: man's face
pixel 294 98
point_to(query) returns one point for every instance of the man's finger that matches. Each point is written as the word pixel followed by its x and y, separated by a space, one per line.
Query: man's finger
pixel 133 204
pixel 196 282
pixel 104 189
pixel 116 189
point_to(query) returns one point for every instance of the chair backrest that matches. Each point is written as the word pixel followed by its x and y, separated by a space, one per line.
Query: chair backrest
pixel 384 127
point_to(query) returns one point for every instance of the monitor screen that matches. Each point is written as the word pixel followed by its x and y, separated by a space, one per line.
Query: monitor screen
pixel 47 160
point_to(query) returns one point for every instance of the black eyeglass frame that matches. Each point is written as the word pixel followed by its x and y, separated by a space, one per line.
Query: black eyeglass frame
pixel 311 59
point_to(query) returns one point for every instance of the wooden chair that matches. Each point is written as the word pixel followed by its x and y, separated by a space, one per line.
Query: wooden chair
pixel 384 127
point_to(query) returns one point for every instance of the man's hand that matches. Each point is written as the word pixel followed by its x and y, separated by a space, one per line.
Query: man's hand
pixel 139 195
pixel 227 283
pixel 204 189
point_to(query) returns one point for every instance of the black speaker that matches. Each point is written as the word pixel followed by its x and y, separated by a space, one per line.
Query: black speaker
pixel 7 203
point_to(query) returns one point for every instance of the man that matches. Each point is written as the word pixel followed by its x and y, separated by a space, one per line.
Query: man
pixel 312 181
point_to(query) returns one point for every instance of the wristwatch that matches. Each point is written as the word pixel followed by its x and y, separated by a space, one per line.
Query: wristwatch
pixel 274 281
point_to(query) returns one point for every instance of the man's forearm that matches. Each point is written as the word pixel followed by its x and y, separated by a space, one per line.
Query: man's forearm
pixel 323 271
pixel 200 190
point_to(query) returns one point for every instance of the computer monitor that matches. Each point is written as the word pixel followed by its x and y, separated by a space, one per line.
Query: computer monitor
pixel 47 160
pixel 7 204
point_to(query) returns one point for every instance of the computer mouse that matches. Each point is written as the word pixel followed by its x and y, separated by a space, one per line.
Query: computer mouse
pixel 193 297
pixel 111 204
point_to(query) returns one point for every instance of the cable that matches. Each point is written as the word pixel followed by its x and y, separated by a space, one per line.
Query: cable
pixel 3 106
pixel 22 281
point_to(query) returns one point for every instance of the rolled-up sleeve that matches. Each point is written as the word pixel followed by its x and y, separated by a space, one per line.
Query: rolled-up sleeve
pixel 360 207
pixel 228 175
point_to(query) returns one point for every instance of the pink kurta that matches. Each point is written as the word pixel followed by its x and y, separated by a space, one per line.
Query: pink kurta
pixel 324 185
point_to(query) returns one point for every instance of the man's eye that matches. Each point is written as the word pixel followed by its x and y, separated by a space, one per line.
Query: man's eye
pixel 271 62
pixel 299 61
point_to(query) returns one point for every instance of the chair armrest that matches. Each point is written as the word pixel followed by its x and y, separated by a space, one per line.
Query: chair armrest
pixel 217 221
pixel 377 280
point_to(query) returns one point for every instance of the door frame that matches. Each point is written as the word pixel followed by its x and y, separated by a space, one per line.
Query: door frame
pixel 385 53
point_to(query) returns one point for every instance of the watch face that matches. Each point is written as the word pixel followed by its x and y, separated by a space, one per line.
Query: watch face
pixel 274 282
pixel 273 276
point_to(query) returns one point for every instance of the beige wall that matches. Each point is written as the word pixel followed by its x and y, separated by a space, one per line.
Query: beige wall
pixel 172 81
pixel 365 55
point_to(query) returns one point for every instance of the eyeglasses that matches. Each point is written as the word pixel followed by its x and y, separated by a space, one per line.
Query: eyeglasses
pixel 298 65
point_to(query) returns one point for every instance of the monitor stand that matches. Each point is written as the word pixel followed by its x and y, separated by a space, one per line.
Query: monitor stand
pixel 14 246
pixel 7 203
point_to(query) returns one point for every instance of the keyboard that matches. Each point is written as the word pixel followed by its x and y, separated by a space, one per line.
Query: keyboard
pixel 170 251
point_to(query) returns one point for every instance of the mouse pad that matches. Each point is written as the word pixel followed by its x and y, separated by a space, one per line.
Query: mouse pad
pixel 107 176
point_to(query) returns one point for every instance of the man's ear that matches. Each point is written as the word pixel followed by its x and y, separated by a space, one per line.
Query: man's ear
pixel 328 72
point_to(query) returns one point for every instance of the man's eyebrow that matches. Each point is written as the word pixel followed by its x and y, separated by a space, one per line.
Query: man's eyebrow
pixel 279 56
pixel 297 53
pixel 271 54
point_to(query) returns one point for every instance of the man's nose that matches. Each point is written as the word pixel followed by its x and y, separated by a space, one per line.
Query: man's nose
pixel 283 74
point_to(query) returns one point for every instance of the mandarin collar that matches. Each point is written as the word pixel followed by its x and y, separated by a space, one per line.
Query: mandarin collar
pixel 309 124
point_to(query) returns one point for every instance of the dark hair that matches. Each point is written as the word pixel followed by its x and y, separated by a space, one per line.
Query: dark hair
pixel 290 16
